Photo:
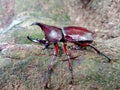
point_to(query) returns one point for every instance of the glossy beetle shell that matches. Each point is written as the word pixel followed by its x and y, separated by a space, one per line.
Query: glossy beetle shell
pixel 79 34
pixel 70 33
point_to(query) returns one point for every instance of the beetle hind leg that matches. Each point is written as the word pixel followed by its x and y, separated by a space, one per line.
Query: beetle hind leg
pixel 109 60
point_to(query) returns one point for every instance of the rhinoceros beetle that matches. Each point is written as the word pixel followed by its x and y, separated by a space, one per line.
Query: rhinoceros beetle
pixel 78 35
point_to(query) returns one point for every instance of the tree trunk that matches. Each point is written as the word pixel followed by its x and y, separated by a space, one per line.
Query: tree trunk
pixel 7 11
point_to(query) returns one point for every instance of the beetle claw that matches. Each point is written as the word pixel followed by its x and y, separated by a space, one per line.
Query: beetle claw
pixel 46 86
pixel 71 82
pixel 108 61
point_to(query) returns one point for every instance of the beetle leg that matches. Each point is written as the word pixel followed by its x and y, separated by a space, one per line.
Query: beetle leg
pixel 109 60
pixel 39 41
pixel 50 67
pixel 69 63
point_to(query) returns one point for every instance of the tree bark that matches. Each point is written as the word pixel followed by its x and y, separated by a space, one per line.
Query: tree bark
pixel 7 12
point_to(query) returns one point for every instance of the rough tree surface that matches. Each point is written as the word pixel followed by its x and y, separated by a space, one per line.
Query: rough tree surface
pixel 23 64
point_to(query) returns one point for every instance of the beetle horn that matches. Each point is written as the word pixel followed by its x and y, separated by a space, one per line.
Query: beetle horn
pixel 34 23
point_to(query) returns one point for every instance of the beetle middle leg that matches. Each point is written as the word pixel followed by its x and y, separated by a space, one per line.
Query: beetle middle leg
pixel 69 63
pixel 50 67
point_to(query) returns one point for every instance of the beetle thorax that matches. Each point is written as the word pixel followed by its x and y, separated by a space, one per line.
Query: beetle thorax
pixel 53 34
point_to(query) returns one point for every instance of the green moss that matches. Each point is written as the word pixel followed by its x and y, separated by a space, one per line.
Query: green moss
pixel 63 19
pixel 104 75
pixel 16 55
pixel 0 58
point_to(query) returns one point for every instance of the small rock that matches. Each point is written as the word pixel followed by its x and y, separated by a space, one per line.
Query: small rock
pixel 114 34
pixel 3 46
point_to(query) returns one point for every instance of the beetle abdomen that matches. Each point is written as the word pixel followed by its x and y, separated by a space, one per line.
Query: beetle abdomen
pixel 73 34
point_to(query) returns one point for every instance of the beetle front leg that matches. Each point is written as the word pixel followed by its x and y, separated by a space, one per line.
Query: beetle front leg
pixel 69 63
pixel 50 67
pixel 39 41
